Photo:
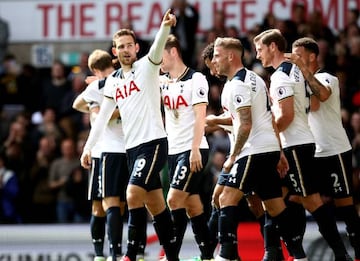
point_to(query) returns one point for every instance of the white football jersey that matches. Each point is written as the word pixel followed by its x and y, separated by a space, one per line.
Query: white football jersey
pixel 288 81
pixel 247 89
pixel 112 139
pixel 179 96
pixel 137 96
pixel 136 93
pixel 94 97
pixel 326 124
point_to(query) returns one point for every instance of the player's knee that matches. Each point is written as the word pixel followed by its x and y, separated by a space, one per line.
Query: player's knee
pixel 194 210
pixel 133 199
pixel 97 210
pixel 173 203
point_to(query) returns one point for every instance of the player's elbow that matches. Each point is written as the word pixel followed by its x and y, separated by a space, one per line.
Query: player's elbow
pixel 324 96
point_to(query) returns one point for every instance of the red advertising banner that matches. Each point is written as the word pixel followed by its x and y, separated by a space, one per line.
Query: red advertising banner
pixel 91 20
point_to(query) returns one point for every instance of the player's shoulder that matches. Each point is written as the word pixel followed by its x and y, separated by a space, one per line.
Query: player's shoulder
pixel 245 77
pixel 116 74
pixel 94 85
pixel 326 77
pixel 285 67
pixel 198 76
pixel 240 75
pixel 324 73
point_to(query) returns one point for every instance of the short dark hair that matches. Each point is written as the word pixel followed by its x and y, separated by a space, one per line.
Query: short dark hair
pixel 308 43
pixel 208 52
pixel 123 32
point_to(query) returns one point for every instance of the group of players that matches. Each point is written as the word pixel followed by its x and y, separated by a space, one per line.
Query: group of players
pixel 278 154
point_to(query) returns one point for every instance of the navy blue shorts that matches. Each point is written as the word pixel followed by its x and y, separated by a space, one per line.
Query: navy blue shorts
pixel 257 173
pixel 335 173
pixel 302 178
pixel 222 178
pixel 179 172
pixel 146 162
pixel 94 186
pixel 115 175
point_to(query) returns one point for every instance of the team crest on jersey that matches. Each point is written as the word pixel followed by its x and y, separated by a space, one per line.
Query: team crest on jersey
pixel 164 86
pixel 281 92
pixel 238 99
pixel 201 92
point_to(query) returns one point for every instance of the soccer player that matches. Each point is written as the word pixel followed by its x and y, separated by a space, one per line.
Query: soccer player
pixel 185 97
pixel 256 160
pixel 333 154
pixel 134 89
pixel 109 173
pixel 214 122
pixel 290 107
pixel 224 121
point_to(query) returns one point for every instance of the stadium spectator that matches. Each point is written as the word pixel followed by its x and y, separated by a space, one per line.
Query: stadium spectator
pixel 9 194
pixel 59 173
pixel 54 87
pixel 43 198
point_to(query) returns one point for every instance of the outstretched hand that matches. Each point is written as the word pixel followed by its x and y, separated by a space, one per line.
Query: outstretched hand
pixel 169 19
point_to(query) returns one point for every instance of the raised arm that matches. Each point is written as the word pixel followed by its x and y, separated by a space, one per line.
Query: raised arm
pixel 157 48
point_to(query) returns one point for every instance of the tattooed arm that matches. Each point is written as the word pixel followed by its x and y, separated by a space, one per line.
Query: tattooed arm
pixel 319 90
pixel 242 135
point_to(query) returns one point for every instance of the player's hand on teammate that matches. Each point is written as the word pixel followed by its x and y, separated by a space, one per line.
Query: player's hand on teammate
pixel 169 19
pixel 211 120
pixel 228 164
pixel 195 161
pixel 294 58
pixel 283 165
pixel 85 159
pixel 90 79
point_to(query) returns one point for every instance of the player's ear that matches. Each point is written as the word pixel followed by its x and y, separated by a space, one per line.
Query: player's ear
pixel 272 46
pixel 113 50
pixel 137 47
pixel 312 57
pixel 231 55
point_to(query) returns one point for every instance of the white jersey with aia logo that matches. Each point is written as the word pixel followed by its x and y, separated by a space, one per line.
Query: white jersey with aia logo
pixel 179 96
pixel 137 96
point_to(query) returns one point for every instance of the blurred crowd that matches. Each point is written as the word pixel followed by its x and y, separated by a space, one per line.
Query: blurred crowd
pixel 41 180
